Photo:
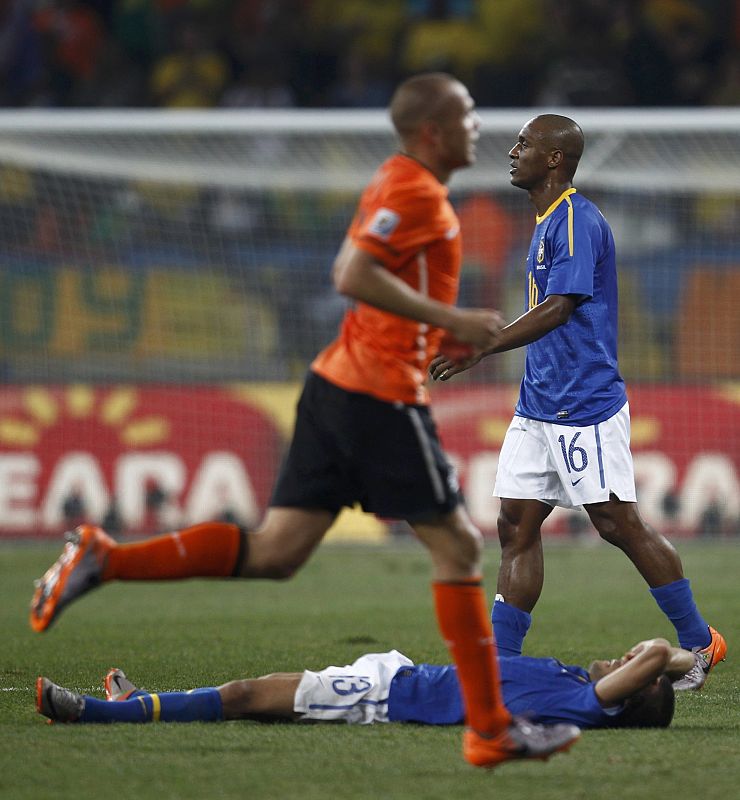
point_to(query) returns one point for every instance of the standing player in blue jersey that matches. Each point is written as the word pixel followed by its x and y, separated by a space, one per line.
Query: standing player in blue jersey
pixel 634 691
pixel 568 444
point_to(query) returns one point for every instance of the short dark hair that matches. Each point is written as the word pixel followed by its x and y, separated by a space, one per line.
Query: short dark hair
pixel 651 707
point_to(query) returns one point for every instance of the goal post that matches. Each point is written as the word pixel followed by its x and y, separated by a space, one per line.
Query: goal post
pixel 165 281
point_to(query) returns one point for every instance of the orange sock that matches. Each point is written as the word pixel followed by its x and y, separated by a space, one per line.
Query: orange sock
pixel 462 615
pixel 208 550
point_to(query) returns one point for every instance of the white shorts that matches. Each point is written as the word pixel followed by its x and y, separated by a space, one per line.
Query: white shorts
pixel 356 693
pixel 564 465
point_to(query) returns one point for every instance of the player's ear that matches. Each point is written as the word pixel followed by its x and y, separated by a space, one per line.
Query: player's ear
pixel 429 130
pixel 555 159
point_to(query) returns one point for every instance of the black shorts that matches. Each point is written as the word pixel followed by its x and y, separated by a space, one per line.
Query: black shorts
pixel 352 448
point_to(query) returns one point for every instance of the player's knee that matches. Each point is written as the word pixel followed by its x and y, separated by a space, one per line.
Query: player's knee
pixel 512 533
pixel 506 529
pixel 619 529
pixel 471 549
pixel 468 552
pixel 267 559
pixel 271 565
pixel 236 699
pixel 456 546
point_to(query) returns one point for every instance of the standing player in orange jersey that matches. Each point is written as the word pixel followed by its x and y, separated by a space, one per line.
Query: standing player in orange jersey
pixel 363 431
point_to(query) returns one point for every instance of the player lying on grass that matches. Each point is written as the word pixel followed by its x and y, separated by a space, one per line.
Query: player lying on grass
pixel 629 692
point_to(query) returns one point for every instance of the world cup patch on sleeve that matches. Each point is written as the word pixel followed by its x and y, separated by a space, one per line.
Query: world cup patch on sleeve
pixel 383 223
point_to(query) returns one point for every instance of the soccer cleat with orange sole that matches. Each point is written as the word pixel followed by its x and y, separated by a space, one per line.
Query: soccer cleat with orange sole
pixel 706 659
pixel 117 686
pixel 522 739
pixel 77 570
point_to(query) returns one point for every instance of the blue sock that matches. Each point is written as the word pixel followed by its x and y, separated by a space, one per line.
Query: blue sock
pixel 510 626
pixel 200 704
pixel 677 602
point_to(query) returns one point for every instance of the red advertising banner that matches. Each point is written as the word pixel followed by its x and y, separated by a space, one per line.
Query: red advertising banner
pixel 138 459
pixel 141 459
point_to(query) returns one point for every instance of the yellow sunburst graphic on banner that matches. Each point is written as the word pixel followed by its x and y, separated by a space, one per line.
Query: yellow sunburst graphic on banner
pixel 492 430
pixel 731 392
pixel 644 431
pixel 41 409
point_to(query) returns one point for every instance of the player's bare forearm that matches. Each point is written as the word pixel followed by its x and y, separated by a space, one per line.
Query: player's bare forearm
pixel 380 288
pixel 676 661
pixel 642 665
pixel 359 276
pixel 553 312
pixel 679 663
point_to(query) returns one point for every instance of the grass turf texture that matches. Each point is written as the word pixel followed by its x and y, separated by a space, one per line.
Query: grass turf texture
pixel 347 601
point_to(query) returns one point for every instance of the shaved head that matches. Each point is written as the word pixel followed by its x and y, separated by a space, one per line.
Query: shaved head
pixel 560 133
pixel 423 97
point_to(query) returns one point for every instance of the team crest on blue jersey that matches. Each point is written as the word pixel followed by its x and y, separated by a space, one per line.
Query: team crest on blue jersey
pixel 384 223
pixel 541 252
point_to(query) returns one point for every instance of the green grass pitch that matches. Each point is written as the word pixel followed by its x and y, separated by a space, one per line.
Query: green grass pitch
pixel 348 600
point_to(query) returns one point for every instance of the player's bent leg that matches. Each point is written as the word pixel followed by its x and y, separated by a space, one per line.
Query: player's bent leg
pixel 462 615
pixel 619 523
pixel 522 739
pixel 521 573
pixel 267 697
pixel 284 542
pixel 454 543
pixel 205 550
pixel 78 570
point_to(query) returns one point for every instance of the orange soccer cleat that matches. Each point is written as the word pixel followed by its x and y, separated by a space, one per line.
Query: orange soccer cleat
pixel 76 571
pixel 715 651
pixel 522 739
pixel 706 658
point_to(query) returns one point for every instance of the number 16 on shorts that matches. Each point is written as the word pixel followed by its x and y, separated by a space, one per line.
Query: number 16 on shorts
pixel 595 461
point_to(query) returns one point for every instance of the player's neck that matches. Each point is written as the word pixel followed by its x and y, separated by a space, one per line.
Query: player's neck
pixel 542 197
pixel 441 175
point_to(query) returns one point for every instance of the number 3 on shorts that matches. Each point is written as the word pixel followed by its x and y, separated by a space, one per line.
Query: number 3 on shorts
pixel 350 685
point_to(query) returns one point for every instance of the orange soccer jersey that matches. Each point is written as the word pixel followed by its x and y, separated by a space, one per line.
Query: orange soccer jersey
pixel 406 222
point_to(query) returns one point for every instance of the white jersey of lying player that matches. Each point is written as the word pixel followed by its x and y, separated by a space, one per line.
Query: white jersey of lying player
pixel 356 693
pixel 565 465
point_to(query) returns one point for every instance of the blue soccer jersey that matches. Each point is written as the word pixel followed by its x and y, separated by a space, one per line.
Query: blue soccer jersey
pixel 542 688
pixel 571 374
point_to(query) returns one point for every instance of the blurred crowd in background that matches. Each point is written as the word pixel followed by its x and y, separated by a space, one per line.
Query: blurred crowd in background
pixel 351 53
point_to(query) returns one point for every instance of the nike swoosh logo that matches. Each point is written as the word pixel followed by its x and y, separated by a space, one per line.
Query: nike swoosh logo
pixel 574 483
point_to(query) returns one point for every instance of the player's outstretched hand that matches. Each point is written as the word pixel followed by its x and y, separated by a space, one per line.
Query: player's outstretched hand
pixel 477 327
pixel 442 368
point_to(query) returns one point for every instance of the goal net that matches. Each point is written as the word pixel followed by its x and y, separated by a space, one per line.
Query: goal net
pixel 165 281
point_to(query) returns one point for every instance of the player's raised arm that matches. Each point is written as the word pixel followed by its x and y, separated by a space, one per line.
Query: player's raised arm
pixel 641 665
